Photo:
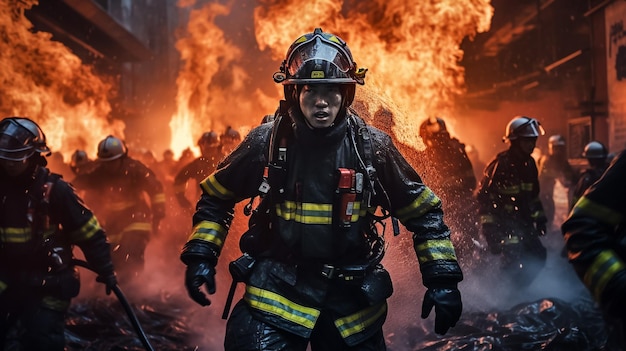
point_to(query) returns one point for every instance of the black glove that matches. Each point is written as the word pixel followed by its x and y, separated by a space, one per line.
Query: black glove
pixel 448 307
pixel 196 275
pixel 109 281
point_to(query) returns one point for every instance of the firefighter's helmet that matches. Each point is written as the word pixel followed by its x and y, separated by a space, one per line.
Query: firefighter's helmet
pixel 111 148
pixel 523 127
pixel 208 139
pixel 317 58
pixel 556 140
pixel 231 135
pixel 432 127
pixel 595 150
pixel 79 157
pixel 20 138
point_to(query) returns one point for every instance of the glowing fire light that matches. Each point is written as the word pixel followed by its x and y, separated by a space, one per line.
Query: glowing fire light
pixel 410 48
pixel 45 81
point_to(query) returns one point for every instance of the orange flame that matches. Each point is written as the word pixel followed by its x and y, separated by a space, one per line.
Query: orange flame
pixel 50 85
pixel 411 49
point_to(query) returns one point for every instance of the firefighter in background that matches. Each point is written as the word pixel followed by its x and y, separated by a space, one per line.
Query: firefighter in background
pixel 554 167
pixel 315 274
pixel 597 158
pixel 449 173
pixel 41 218
pixel 198 169
pixel 117 188
pixel 80 162
pixel 511 213
pixel 595 239
pixel 229 140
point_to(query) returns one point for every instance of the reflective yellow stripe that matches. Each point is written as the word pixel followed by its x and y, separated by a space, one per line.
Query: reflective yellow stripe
pixel 120 205
pixel 424 203
pixel 357 322
pixel 585 206
pixel 600 272
pixel 54 303
pixel 214 188
pixel 88 230
pixel 527 186
pixel 487 219
pixel 307 213
pixel 270 302
pixel 3 286
pixel 15 235
pixel 509 190
pixel 138 226
pixel 511 240
pixel 158 198
pixel 432 250
pixel 209 231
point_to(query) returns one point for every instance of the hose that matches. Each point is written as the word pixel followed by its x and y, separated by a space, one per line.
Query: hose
pixel 127 307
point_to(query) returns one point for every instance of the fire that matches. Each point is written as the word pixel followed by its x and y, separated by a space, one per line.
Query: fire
pixel 411 50
pixel 46 82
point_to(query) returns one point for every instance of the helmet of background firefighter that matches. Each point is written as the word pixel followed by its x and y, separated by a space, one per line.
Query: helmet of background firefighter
pixel 433 128
pixel 111 148
pixel 319 58
pixel 556 144
pixel 595 150
pixel 522 127
pixel 20 138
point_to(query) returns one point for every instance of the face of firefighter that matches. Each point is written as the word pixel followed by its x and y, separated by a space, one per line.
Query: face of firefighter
pixel 320 104
pixel 14 168
pixel 526 145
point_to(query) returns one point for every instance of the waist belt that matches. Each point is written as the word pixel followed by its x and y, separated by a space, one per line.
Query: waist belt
pixel 347 273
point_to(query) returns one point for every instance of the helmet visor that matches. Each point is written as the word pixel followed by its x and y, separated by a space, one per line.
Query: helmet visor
pixel 15 142
pixel 319 60
pixel 531 128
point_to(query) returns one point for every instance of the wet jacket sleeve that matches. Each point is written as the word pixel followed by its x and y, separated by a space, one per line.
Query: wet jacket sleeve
pixel 419 210
pixel 81 227
pixel 594 236
pixel 237 177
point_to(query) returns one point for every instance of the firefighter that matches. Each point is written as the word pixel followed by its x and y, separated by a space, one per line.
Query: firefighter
pixel 312 265
pixel 597 158
pixel 449 172
pixel 80 162
pixel 117 187
pixel 511 213
pixel 199 168
pixel 595 240
pixel 229 140
pixel 41 219
pixel 554 167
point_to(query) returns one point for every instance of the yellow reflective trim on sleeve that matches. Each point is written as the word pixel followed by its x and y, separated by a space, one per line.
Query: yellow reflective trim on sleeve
pixel 55 304
pixel 509 190
pixel 87 231
pixel 585 206
pixel 432 250
pixel 3 286
pixel 602 269
pixel 212 187
pixel 487 218
pixel 307 213
pixel 511 240
pixel 15 235
pixel 422 204
pixel 209 231
pixel 527 186
pixel 158 198
pixel 120 205
pixel 272 303
pixel 357 322
pixel 138 227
